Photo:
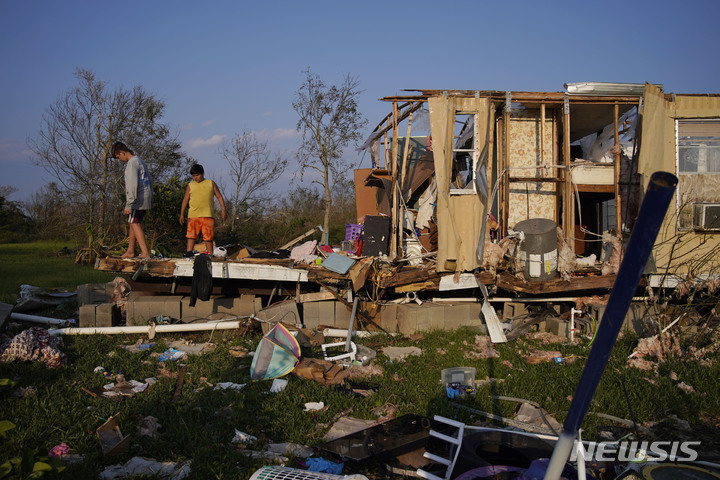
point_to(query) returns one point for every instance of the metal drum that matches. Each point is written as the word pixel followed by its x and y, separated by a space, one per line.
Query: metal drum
pixel 538 252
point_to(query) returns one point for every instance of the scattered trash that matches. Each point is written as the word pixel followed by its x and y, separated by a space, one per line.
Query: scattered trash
pixel 228 385
pixel 34 345
pixel 111 439
pixel 36 298
pixel 314 406
pixel 59 450
pixel 277 354
pixel 138 346
pixel 123 389
pixel 170 355
pixel 322 371
pixel 23 392
pixel 242 437
pixel 278 385
pixel 192 348
pixel 300 451
pixel 139 466
pixel 347 426
pixel 458 381
pixel 278 472
pixel 149 426
pixel 316 464
pixel 383 441
pixel 398 354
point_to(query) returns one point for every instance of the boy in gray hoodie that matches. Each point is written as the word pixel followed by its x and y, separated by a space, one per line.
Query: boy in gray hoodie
pixel 138 197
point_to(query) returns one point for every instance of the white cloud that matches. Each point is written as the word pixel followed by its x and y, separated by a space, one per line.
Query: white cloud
pixel 267 114
pixel 187 126
pixel 284 133
pixel 206 142
pixel 209 122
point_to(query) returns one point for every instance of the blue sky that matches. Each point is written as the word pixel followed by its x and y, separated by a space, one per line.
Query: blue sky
pixel 223 67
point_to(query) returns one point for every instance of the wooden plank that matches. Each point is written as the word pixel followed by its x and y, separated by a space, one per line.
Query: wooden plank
pixel 152 267
pixel 492 322
pixel 297 239
pixel 510 282
pixel 416 287
pixel 314 297
pixel 359 272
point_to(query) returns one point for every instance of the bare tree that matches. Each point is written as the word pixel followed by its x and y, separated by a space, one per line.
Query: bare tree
pixel 329 122
pixel 74 142
pixel 254 166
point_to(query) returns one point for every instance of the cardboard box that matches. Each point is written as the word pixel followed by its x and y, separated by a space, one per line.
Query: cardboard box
pixel 141 310
pixel 99 315
pixel 219 308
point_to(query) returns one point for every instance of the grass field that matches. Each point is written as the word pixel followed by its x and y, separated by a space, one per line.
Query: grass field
pixel 199 422
pixel 40 265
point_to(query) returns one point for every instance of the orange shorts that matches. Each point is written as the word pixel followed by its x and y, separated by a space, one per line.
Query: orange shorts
pixel 201 225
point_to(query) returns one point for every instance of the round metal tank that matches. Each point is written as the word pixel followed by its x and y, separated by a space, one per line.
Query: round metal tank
pixel 538 252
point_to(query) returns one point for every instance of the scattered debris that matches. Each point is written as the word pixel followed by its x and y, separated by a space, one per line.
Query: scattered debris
pixel 399 354
pixel 111 438
pixel 31 345
pixel 139 466
pixel 149 426
pixel 242 437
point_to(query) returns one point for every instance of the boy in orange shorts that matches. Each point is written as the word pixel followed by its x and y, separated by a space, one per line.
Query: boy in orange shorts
pixel 199 195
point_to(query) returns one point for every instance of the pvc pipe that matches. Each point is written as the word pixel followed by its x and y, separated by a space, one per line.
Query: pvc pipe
pixel 177 327
pixel 659 193
pixel 22 317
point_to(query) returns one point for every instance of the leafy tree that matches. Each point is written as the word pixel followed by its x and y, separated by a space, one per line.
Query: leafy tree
pixel 329 121
pixel 253 166
pixel 15 225
pixel 162 229
pixel 74 143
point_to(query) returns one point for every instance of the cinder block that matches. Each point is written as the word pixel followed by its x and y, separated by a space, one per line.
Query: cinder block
pixel 141 310
pixel 99 315
pixel 557 326
pixel 513 309
pixel 387 318
pixel 90 293
pixel 316 314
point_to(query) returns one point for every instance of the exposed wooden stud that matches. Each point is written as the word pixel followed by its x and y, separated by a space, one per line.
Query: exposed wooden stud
pixel 543 172
pixel 406 151
pixel 569 224
pixel 395 241
pixel 616 149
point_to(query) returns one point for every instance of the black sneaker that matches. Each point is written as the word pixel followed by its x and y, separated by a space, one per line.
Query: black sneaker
pixel 189 254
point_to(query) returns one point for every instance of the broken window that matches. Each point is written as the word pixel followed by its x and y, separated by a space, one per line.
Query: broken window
pixel 466 154
pixel 698 167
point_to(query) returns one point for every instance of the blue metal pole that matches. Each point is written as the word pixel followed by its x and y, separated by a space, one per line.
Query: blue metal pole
pixel 652 211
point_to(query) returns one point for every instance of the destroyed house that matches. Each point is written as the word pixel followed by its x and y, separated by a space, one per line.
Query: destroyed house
pixel 496 162
pixel 479 198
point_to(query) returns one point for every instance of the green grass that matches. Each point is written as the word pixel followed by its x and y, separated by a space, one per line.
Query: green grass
pixel 39 264
pixel 201 423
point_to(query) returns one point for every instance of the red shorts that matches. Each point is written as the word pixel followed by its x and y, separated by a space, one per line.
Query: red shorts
pixel 136 216
pixel 201 225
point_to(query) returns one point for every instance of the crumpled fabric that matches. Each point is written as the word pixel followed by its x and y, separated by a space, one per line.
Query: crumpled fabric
pixel 31 345
pixel 59 450
pixel 307 248
pixel 316 464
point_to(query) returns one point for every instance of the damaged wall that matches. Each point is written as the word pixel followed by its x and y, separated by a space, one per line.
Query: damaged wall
pixel 527 149
pixel 460 216
pixel 658 152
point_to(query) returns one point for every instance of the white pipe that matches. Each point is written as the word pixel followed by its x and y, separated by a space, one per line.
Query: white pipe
pixel 177 327
pixel 22 317
pixel 339 332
